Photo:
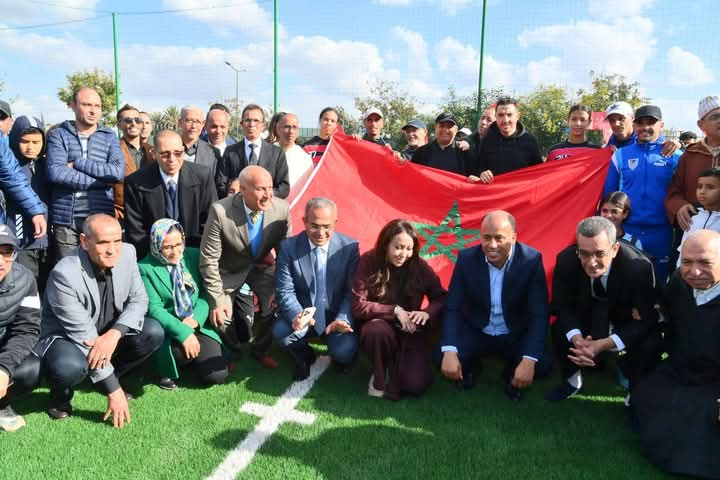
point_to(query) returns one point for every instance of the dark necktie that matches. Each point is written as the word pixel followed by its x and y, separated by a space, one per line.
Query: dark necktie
pixel 598 288
pixel 253 155
pixel 172 192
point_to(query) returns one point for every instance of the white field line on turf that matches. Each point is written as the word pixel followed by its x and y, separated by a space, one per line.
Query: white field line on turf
pixel 272 417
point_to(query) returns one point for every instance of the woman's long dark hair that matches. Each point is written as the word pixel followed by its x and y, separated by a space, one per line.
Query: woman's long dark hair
pixel 377 284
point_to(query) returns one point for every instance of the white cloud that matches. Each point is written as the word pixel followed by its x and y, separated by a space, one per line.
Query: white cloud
pixel 687 69
pixel 546 71
pixel 246 16
pixel 418 63
pixel 611 9
pixel 622 46
pixel 26 13
pixel 336 66
pixel 452 7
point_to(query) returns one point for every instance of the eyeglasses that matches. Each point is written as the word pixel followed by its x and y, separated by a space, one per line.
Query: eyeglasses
pixel 130 120
pixel 192 122
pixel 170 248
pixel 598 255
pixel 168 154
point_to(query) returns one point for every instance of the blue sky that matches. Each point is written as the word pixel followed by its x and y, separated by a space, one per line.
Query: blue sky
pixel 331 51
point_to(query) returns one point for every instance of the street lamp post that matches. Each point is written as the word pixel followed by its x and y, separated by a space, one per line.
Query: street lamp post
pixel 237 96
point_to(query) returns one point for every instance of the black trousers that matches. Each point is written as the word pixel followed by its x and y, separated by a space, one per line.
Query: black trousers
pixel 25 379
pixel 210 364
pixel 65 366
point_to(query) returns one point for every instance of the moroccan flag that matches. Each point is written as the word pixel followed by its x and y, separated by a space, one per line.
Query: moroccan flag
pixel 371 187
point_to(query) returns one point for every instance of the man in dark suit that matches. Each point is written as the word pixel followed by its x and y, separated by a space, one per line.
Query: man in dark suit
pixel 253 150
pixel 191 123
pixel 315 268
pixel 168 188
pixel 603 295
pixel 497 304
pixel 236 248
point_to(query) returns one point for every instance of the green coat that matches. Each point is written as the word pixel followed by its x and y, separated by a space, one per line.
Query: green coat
pixel 161 307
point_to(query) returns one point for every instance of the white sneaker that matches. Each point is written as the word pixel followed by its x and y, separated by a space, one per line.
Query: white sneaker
pixel 9 420
pixel 372 391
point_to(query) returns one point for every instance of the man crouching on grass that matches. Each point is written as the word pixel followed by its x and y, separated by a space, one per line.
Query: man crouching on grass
pixel 93 322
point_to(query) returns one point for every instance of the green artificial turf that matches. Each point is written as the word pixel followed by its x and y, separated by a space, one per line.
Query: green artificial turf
pixel 447 433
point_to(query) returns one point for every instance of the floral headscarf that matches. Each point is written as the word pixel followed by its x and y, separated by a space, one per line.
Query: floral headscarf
pixel 183 283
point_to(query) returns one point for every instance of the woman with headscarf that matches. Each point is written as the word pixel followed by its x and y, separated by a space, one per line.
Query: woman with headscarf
pixel 177 300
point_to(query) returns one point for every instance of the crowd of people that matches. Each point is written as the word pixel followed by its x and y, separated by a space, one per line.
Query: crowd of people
pixel 179 251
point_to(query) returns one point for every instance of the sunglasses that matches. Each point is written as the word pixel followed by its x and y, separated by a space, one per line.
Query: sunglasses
pixel 129 120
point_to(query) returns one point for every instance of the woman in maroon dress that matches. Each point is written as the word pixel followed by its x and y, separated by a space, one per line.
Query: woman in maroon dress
pixel 390 284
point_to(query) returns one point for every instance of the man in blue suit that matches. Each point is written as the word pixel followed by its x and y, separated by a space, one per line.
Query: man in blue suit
pixel 315 268
pixel 497 305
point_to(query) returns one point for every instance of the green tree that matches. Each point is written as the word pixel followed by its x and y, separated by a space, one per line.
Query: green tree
pixel 349 123
pixel 609 88
pixel 396 104
pixel 544 114
pixel 464 107
pixel 98 79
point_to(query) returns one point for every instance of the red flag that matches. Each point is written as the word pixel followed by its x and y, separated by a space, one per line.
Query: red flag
pixel 371 187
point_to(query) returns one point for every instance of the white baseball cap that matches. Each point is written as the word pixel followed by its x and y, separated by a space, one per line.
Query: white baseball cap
pixel 621 108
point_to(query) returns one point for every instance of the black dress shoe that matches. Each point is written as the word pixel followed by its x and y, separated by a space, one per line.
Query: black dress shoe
pixel 167 383
pixel 60 411
pixel 341 368
pixel 301 372
pixel 561 392
pixel 514 394
pixel 468 381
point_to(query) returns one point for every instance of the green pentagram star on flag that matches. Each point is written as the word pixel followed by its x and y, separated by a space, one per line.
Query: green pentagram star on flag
pixel 450 226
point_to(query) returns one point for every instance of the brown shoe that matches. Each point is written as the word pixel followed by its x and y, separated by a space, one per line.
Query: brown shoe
pixel 267 361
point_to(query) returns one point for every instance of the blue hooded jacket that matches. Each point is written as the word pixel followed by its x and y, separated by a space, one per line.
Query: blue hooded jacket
pixel 14 184
pixel 644 175
pixel 35 170
pixel 96 174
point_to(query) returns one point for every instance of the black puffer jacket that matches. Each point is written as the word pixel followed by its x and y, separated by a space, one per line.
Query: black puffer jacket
pixel 501 154
pixel 19 317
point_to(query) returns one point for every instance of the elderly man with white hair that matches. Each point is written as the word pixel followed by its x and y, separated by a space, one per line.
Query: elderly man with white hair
pixel 677 405
pixel 191 123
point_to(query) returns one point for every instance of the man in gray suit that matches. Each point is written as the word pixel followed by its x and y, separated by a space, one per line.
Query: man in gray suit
pixel 253 150
pixel 315 269
pixel 239 235
pixel 191 123
pixel 93 321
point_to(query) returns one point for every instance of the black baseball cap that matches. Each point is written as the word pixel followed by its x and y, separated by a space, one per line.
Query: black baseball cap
pixel 648 111
pixel 446 117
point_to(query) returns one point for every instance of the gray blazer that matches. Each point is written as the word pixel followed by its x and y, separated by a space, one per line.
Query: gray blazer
pixel 225 255
pixel 207 155
pixel 72 302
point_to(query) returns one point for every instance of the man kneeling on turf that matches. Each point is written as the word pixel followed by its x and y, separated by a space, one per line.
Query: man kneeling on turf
pixel 19 329
pixel 603 294
pixel 94 321
pixel 497 304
